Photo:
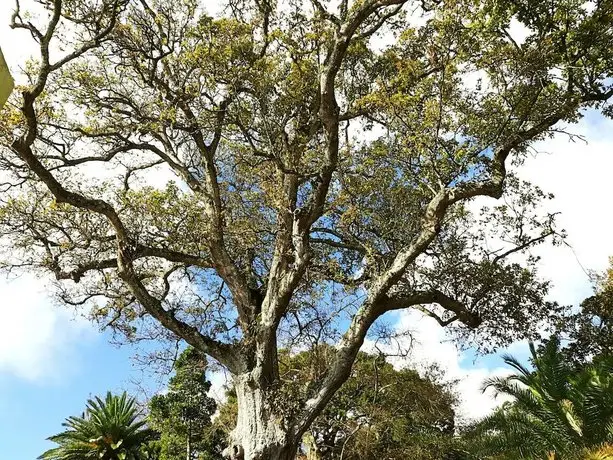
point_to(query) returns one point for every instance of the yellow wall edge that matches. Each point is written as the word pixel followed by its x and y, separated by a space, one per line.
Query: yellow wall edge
pixel 6 81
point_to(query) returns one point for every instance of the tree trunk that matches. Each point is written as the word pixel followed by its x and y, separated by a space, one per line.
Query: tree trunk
pixel 259 433
pixel 189 441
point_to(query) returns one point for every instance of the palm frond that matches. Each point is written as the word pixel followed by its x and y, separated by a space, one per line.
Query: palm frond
pixel 109 429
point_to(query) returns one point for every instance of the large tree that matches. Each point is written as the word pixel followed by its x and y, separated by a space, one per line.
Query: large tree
pixel 285 173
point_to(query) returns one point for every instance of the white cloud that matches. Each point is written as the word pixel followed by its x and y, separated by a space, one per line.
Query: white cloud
pixel 220 380
pixel 476 80
pixel 37 340
pixel 589 6
pixel 579 175
pixel 518 31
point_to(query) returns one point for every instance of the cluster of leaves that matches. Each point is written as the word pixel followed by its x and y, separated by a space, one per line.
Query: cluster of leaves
pixel 381 412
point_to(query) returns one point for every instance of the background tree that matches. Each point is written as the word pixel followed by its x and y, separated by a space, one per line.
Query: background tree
pixel 589 330
pixel 379 412
pixel 183 414
pixel 285 173
pixel 109 429
pixel 558 410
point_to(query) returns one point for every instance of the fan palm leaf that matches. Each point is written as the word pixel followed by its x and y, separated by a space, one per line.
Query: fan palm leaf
pixel 109 429
pixel 558 411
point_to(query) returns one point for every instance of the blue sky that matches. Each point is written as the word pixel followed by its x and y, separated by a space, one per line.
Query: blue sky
pixel 31 410
pixel 50 362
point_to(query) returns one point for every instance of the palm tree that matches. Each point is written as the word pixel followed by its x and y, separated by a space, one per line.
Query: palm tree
pixel 558 411
pixel 109 429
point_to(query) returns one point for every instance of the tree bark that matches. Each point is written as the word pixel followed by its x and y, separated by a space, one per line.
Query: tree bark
pixel 260 432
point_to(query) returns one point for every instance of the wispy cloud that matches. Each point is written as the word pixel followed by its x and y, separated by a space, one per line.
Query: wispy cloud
pixel 38 341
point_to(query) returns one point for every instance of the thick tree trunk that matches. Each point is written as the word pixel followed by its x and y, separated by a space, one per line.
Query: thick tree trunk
pixel 259 433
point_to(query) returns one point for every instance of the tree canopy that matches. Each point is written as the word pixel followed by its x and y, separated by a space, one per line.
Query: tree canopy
pixel 288 172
